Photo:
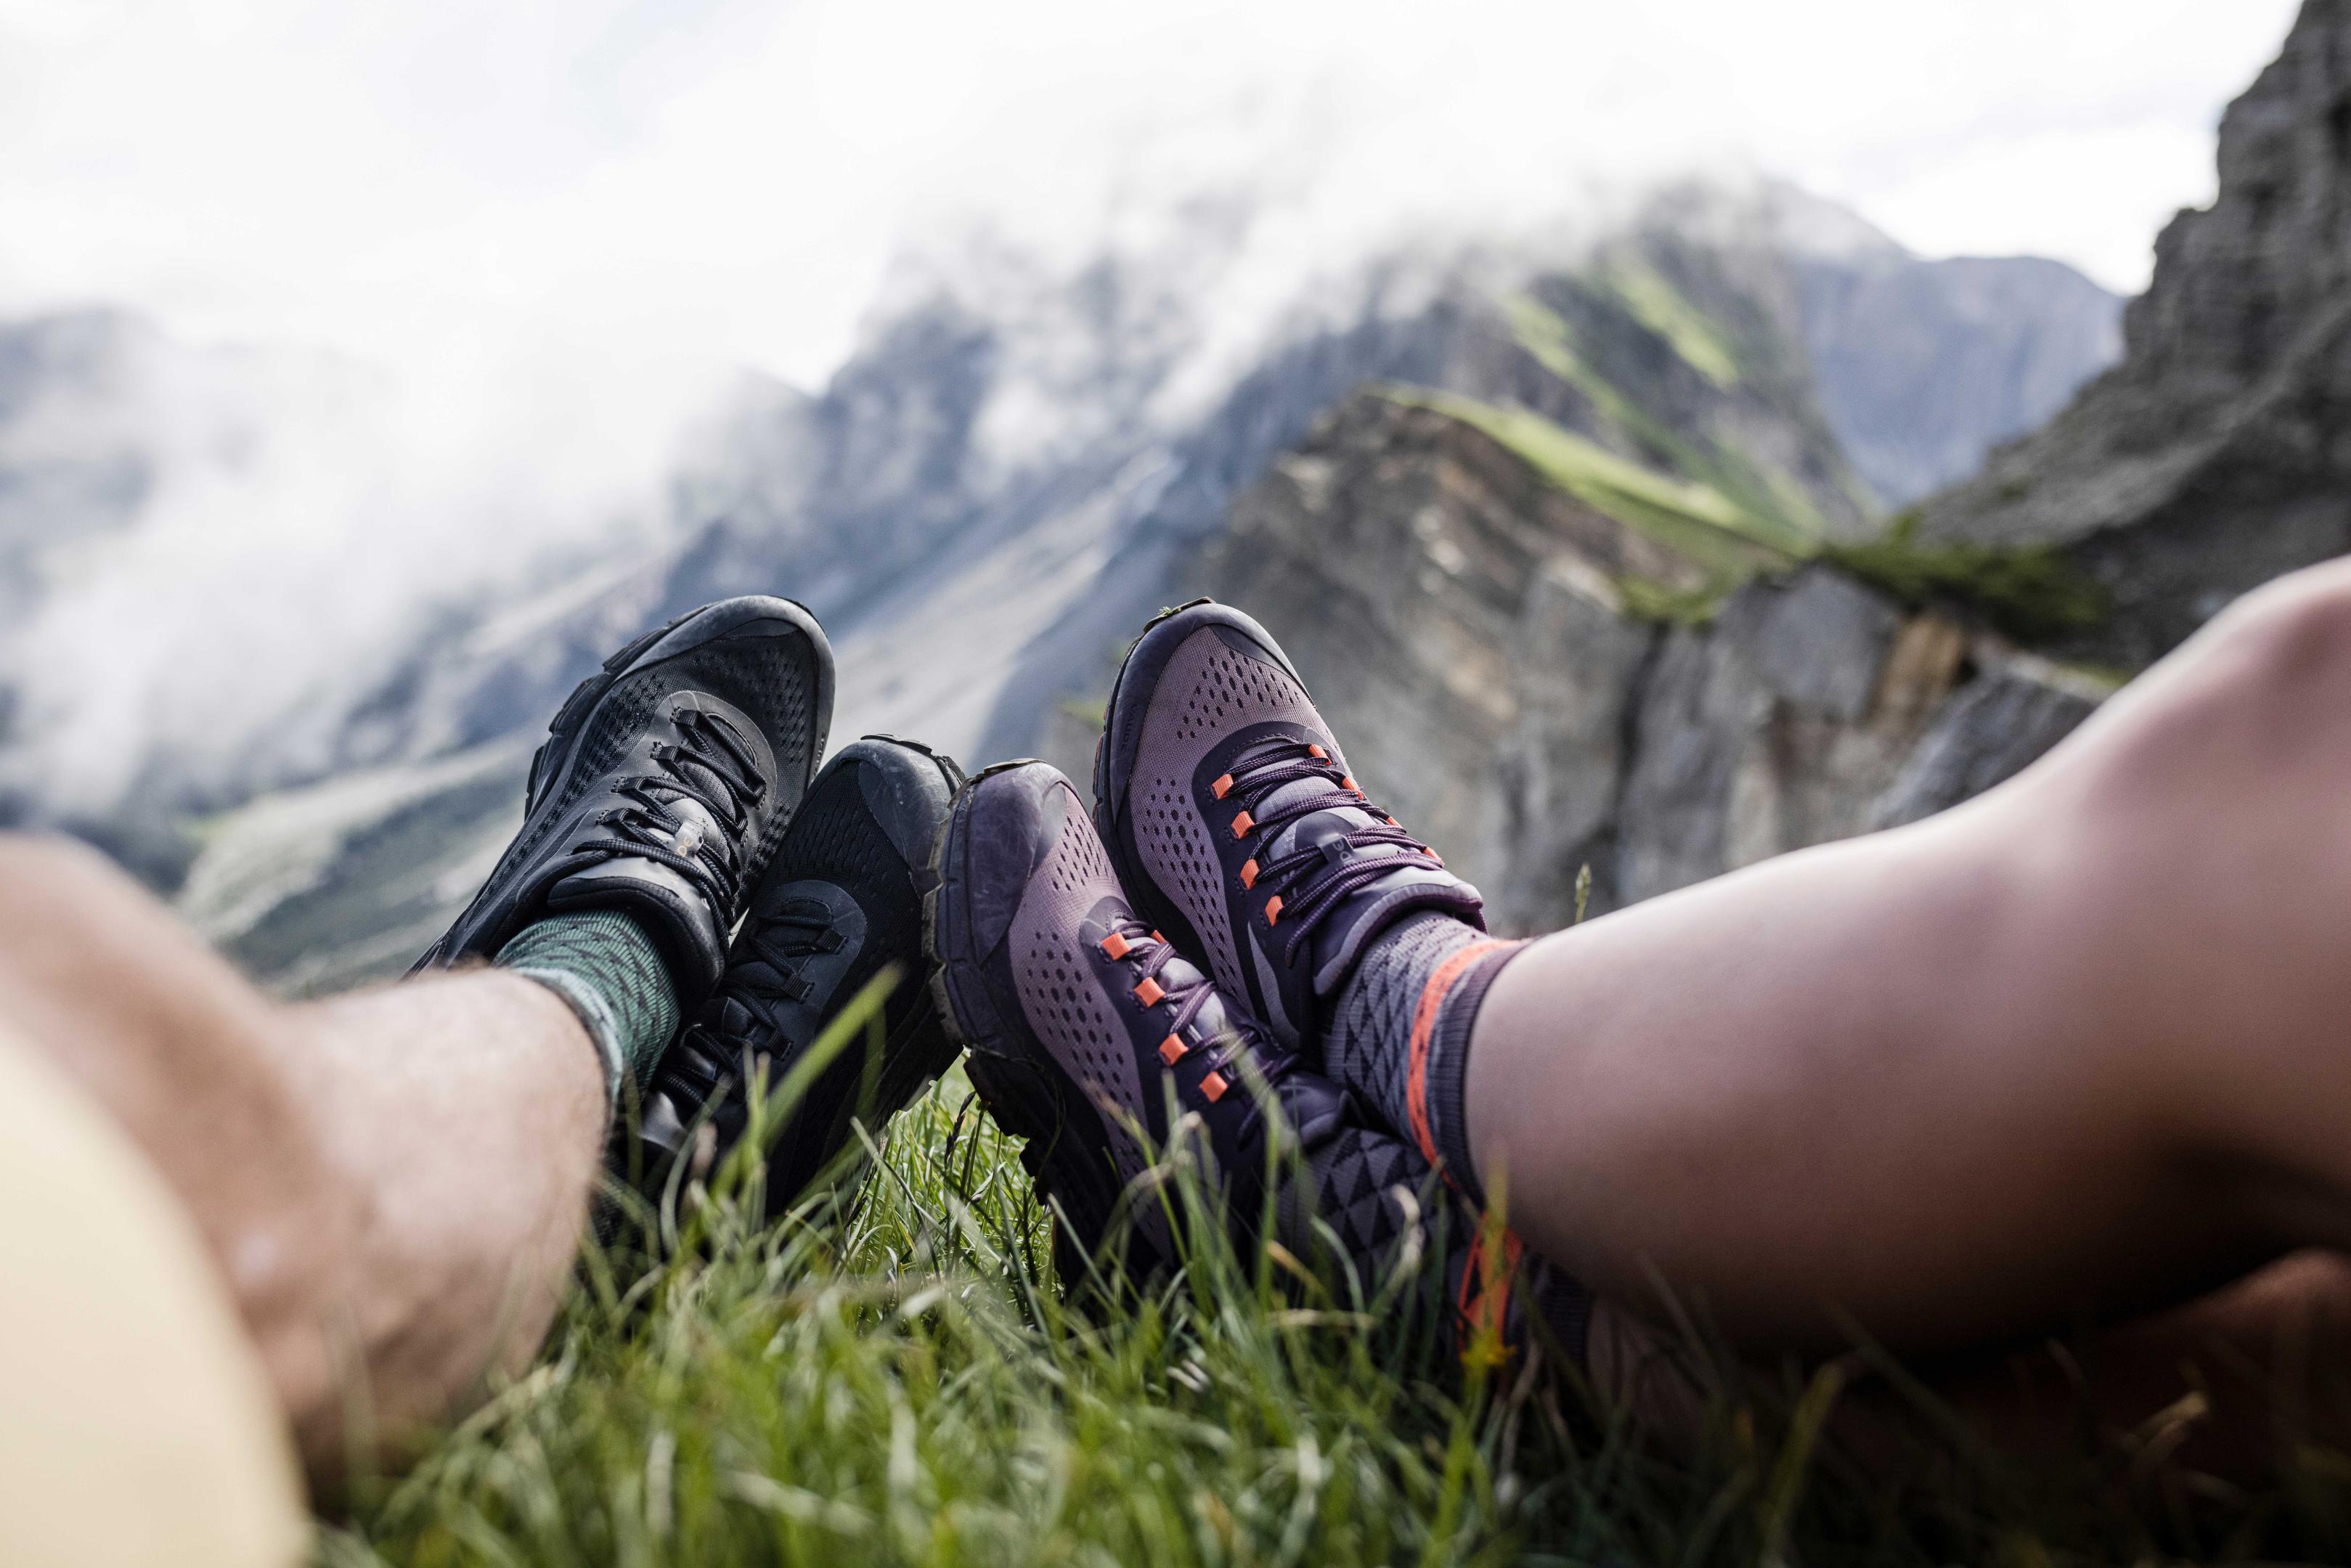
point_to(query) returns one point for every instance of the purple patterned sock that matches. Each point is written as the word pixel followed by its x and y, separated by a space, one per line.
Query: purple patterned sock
pixel 1399 1036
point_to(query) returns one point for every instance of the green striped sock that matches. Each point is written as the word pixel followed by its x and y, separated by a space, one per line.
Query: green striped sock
pixel 604 966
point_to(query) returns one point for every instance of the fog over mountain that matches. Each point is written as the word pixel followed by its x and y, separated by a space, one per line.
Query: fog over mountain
pixel 233 572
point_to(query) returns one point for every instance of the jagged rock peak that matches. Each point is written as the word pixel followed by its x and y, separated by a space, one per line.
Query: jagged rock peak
pixel 2237 283
pixel 2212 457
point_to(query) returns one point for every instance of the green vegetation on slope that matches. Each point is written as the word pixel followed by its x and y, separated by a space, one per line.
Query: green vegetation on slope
pixel 1695 520
pixel 1775 505
pixel 1646 599
pixel 895 1378
pixel 1658 305
pixel 2030 594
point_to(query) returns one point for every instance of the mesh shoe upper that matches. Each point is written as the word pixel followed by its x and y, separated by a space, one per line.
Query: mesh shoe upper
pixel 1229 812
pixel 1082 1021
pixel 841 903
pixel 666 781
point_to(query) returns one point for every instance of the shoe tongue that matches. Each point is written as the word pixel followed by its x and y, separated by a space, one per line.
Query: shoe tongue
pixel 727 1017
pixel 1214 1017
pixel 1325 831
pixel 1322 826
pixel 1175 974
pixel 1339 938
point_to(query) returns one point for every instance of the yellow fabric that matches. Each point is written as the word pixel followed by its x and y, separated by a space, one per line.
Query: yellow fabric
pixel 136 1427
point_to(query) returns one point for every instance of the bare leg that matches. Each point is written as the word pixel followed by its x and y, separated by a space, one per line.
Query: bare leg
pixel 393 1184
pixel 2076 1051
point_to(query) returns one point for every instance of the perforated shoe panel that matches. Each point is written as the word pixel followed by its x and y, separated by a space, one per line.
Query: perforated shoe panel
pixel 1206 691
pixel 1063 993
pixel 761 665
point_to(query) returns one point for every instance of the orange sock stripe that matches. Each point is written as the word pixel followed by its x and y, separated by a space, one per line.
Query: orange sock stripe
pixel 1424 1028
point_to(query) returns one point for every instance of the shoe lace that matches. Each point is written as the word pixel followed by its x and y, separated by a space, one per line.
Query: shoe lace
pixel 711 766
pixel 1240 1040
pixel 1311 880
pixel 763 979
pixel 766 975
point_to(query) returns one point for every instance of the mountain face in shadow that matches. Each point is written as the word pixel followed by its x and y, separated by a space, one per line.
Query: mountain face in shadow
pixel 1924 366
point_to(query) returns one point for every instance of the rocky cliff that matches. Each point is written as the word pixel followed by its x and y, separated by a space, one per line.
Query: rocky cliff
pixel 2215 455
pixel 1476 630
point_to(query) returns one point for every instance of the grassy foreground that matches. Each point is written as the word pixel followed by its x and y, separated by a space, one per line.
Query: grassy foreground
pixel 891 1376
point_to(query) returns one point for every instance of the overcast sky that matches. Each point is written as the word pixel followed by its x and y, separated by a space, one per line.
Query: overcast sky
pixel 726 178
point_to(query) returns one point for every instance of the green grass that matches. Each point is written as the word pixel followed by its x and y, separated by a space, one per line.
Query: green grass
pixel 1644 599
pixel 893 1375
pixel 2030 594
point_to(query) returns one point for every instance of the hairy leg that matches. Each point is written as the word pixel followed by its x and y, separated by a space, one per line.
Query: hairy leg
pixel 2073 1052
pixel 393 1184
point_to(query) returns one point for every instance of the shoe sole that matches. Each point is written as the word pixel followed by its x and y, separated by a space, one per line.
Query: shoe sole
pixel 694 630
pixel 1065 1148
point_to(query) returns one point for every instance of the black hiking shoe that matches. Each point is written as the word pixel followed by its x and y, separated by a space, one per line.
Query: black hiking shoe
pixel 1231 816
pixel 1082 1024
pixel 841 903
pixel 664 783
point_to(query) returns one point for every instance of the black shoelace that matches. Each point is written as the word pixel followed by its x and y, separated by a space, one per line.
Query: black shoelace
pixel 1228 1047
pixel 715 1052
pixel 767 977
pixel 715 770
pixel 1312 879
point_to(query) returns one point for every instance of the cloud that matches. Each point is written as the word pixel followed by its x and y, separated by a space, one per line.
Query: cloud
pixel 488 256
pixel 730 179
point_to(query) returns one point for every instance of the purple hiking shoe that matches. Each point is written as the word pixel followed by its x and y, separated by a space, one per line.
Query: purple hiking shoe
pixel 1230 815
pixel 1082 1024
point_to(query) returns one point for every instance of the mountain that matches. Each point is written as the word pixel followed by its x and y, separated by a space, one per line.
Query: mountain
pixel 74 443
pixel 2212 457
pixel 1924 366
pixel 1020 463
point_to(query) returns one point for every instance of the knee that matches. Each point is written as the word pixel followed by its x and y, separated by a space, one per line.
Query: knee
pixel 2266 688
pixel 2288 641
pixel 2257 707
